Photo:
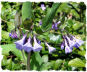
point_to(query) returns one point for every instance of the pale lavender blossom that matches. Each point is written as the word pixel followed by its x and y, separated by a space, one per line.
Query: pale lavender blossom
pixel 71 42
pixel 37 47
pixel 43 7
pixel 51 49
pixel 67 48
pixel 28 46
pixel 54 26
pixel 20 43
pixel 79 42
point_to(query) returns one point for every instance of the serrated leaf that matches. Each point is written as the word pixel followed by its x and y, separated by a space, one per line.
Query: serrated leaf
pixel 47 20
pixel 76 63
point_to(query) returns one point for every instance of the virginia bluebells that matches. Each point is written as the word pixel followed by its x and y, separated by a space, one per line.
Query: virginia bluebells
pixel 54 26
pixel 51 49
pixel 13 34
pixel 43 7
pixel 62 45
pixel 37 47
pixel 28 46
pixel 71 42
pixel 67 48
pixel 78 42
pixel 20 43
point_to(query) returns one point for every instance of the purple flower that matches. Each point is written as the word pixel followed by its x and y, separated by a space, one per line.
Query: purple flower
pixel 20 43
pixel 54 26
pixel 28 46
pixel 51 49
pixel 39 42
pixel 40 22
pixel 62 45
pixel 79 42
pixel 67 48
pixel 71 42
pixel 37 47
pixel 43 7
pixel 10 34
pixel 13 34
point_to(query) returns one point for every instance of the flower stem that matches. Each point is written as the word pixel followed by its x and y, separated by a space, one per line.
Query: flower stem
pixel 23 56
pixel 28 61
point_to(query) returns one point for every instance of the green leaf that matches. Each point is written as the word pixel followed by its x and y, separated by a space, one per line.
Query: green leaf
pixel 77 25
pixel 27 10
pixel 76 63
pixel 4 61
pixel 27 15
pixel 5 35
pixel 45 58
pixel 47 20
pixel 38 57
pixel 55 38
pixel 10 27
pixel 36 61
pixel 11 47
pixel 45 66
pixel 57 63
pixel 9 62
pixel 38 29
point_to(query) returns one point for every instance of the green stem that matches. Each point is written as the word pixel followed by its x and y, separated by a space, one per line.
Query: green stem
pixel 23 56
pixel 28 61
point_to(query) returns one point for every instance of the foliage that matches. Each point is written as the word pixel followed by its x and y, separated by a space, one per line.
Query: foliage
pixel 73 21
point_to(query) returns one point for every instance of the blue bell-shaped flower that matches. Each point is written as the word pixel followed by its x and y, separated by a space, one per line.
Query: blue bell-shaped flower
pixel 28 46
pixel 67 48
pixel 37 47
pixel 79 42
pixel 51 49
pixel 20 43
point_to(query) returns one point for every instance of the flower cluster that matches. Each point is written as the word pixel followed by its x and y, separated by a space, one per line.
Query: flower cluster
pixel 69 43
pixel 13 34
pixel 27 46
pixel 54 25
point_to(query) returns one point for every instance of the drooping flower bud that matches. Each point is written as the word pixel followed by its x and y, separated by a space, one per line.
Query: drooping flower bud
pixel 54 26
pixel 40 22
pixel 20 43
pixel 51 49
pixel 28 46
pixel 43 7
pixel 37 47
pixel 67 48
pixel 13 34
pixel 62 45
